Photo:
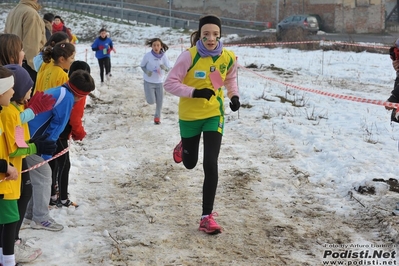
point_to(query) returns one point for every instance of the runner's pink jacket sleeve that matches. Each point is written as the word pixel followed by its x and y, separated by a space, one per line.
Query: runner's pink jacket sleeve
pixel 231 81
pixel 174 81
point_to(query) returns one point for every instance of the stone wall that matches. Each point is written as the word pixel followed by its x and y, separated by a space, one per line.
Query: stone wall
pixel 359 19
pixel 349 16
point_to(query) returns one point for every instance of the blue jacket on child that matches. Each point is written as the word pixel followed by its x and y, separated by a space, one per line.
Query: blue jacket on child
pixel 102 47
pixel 53 122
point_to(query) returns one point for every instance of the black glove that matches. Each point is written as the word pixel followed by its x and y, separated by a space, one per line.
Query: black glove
pixel 235 103
pixel 203 93
pixel 44 146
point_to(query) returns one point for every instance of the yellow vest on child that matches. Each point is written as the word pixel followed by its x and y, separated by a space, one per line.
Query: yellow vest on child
pixel 5 186
pixel 10 116
pixel 191 109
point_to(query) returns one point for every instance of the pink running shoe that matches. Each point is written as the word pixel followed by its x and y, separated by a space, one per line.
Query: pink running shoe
pixel 209 225
pixel 178 153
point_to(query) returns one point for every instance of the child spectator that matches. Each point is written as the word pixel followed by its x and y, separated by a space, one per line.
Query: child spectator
pixel 51 124
pixel 9 190
pixel 74 38
pixel 10 50
pixel 18 149
pixel 62 164
pixel 53 75
pixel 154 65
pixel 103 46
pixel 58 37
pixel 25 22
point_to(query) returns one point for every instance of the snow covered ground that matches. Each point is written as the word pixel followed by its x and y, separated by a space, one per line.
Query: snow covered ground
pixel 290 165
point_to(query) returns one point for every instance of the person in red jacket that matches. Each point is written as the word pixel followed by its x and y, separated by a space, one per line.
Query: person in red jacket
pixel 58 25
pixel 75 130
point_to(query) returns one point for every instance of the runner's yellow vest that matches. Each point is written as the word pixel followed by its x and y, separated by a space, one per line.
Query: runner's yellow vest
pixel 191 109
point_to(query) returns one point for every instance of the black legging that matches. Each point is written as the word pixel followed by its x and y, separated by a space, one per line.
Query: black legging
pixel 212 141
pixel 7 237
pixel 26 194
pixel 60 170
pixel 104 63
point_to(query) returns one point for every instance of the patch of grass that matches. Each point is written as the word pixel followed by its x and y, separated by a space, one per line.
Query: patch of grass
pixel 369 134
pixel 273 67
pixel 252 65
pixel 246 105
pixel 264 97
pixel 285 100
pixel 369 137
pixel 293 98
pixel 314 115
pixel 267 115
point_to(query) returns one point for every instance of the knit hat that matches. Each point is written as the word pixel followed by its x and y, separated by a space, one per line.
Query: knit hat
pixel 210 19
pixel 23 82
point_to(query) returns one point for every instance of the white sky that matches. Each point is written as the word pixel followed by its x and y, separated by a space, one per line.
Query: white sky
pixel 285 171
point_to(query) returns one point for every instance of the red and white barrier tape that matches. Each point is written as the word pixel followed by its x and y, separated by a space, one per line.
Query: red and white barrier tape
pixel 42 163
pixel 329 94
pixel 46 161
